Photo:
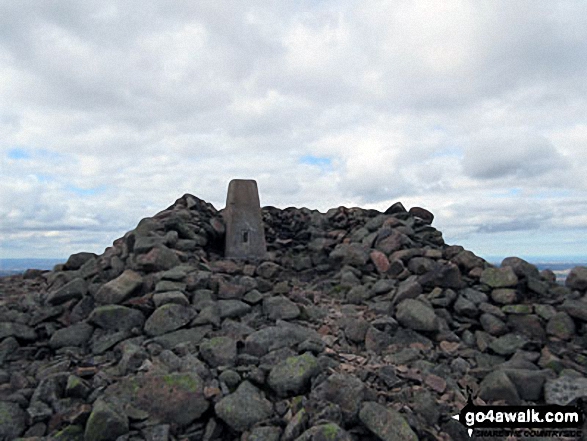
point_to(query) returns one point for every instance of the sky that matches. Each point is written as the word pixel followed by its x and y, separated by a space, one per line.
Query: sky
pixel 477 111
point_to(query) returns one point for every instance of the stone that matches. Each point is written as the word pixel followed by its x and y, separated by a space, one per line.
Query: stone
pixel 387 424
pixel 497 386
pixel 117 318
pixel 120 289
pixel 508 344
pixel 325 431
pixel 268 270
pixel 577 278
pixel 564 390
pixel 191 335
pixel 380 261
pixel 176 398
pixel 175 297
pixel 499 277
pixel 219 351
pixel 105 423
pixel 76 261
pixel 245 236
pixel 18 330
pixel 416 315
pixel 529 383
pixel 292 376
pixel 280 307
pixel 576 309
pixel 232 308
pixel 265 433
pixel 504 296
pixel 493 325
pixel 159 258
pixel 74 335
pixel 244 408
pixel 346 391
pixel 426 216
pixel 167 318
pixel 407 289
pixel 521 267
pixel 561 325
pixel 352 254
pixel 75 289
pixel 275 337
pixel 12 420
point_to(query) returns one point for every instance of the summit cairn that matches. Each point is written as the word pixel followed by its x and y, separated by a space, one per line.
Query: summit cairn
pixel 245 237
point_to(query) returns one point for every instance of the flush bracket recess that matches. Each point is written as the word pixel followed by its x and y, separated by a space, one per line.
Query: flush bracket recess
pixel 245 236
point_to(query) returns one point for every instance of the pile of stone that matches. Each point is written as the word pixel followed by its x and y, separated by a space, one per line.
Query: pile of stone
pixel 358 325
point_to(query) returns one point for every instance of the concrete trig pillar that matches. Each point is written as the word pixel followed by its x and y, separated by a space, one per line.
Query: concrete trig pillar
pixel 245 237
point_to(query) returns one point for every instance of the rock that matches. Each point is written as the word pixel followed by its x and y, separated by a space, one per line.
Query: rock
pixel 416 315
pixel 504 296
pixel 176 297
pixel 350 254
pixel 577 278
pixel 244 408
pixel 118 290
pixel 105 423
pixel 407 289
pixel 265 433
pixel 280 307
pixel 75 261
pixel 327 431
pixel 466 260
pixel 292 376
pixel 508 344
pixel 575 308
pixel 174 398
pixel 380 261
pixel 529 383
pixel 219 351
pixel 12 419
pixel 192 335
pixel 497 386
pixel 346 391
pixel 75 289
pixel 167 318
pixel 274 337
pixel 18 330
pixel 385 423
pixel 564 390
pixel 493 325
pixel 160 258
pixel 521 267
pixel 75 335
pixel 232 308
pixel 268 270
pixel 117 318
pixel 426 216
pixel 499 277
pixel 561 325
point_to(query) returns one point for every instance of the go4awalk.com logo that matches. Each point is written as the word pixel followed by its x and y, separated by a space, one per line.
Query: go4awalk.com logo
pixel 522 421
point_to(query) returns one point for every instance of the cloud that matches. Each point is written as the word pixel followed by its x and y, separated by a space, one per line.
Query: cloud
pixel 111 110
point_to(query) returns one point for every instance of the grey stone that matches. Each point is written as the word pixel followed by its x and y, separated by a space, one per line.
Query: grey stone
pixel 232 308
pixel 386 423
pixel 160 258
pixel 105 423
pixel 508 344
pixel 18 330
pixel 244 408
pixel 74 335
pixel 191 335
pixel 350 254
pixel 325 431
pixel 492 324
pixel 167 318
pixel 293 375
pixel 219 351
pixel 344 390
pixel 75 289
pixel 561 325
pixel 529 383
pixel 12 419
pixel 176 297
pixel 76 261
pixel 265 433
pixel 176 398
pixel 280 307
pixel 497 386
pixel 577 278
pixel 466 307
pixel 504 296
pixel 575 308
pixel 499 277
pixel 521 267
pixel 274 337
pixel 416 315
pixel 118 290
pixel 117 318
pixel 564 390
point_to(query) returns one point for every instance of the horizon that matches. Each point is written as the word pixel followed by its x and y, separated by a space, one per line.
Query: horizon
pixel 109 111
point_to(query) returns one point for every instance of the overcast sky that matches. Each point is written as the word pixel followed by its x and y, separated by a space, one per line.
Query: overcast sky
pixel 111 110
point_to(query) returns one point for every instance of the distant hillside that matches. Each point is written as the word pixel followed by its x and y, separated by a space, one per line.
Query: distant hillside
pixel 9 267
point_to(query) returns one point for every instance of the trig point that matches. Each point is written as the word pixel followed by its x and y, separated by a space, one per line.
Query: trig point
pixel 245 237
